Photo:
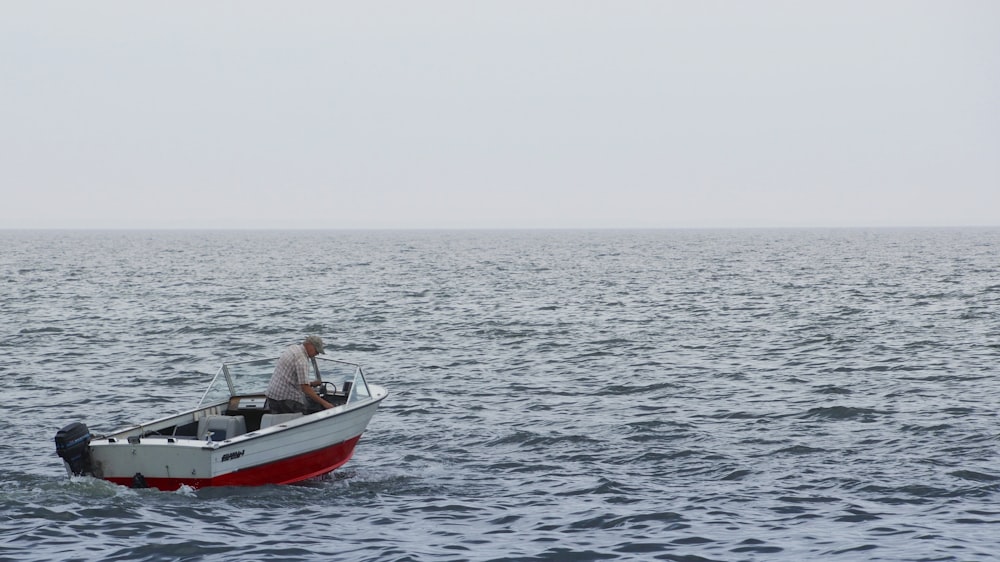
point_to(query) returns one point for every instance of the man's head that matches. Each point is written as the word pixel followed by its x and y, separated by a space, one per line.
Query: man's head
pixel 313 345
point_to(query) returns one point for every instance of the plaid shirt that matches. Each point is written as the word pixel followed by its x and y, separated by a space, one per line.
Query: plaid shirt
pixel 291 371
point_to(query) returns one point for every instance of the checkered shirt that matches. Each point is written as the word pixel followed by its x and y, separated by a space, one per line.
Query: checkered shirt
pixel 291 371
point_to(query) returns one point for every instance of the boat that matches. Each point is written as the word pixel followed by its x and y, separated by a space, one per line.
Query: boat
pixel 231 438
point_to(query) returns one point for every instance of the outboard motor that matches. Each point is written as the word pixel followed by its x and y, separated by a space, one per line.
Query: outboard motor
pixel 73 445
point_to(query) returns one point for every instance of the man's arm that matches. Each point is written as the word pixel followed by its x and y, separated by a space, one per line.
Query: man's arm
pixel 308 390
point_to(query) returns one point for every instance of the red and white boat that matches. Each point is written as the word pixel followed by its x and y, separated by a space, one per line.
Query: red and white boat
pixel 231 439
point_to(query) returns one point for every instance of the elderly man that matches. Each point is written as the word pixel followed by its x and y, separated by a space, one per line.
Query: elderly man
pixel 290 389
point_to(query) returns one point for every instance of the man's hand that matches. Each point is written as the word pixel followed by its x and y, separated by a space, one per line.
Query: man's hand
pixel 307 389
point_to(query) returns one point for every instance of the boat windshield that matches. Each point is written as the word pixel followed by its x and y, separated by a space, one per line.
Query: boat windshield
pixel 251 378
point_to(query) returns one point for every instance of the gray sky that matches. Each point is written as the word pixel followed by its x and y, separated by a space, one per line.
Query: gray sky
pixel 466 114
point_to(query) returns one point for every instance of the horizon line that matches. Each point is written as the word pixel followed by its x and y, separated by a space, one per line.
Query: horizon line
pixel 484 228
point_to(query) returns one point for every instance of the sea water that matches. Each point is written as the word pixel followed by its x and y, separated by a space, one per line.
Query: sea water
pixel 554 395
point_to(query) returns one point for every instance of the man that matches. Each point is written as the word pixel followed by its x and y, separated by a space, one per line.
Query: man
pixel 290 389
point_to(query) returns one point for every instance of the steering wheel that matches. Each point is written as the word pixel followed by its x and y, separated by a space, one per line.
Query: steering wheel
pixel 324 391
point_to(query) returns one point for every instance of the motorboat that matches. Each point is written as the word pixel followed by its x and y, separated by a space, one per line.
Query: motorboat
pixel 231 438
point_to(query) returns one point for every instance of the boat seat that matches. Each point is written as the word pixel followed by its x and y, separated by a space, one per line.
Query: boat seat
pixel 221 427
pixel 267 420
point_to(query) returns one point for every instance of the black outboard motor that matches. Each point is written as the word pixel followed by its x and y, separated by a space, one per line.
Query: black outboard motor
pixel 73 445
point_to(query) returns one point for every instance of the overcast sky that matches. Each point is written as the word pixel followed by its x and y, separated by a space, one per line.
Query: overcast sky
pixel 467 114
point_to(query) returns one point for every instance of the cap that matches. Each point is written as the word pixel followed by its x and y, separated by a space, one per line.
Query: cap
pixel 316 342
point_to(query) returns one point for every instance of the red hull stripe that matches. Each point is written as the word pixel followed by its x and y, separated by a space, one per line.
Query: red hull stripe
pixel 284 471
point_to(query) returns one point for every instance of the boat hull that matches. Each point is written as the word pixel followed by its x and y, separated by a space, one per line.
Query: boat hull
pixel 285 471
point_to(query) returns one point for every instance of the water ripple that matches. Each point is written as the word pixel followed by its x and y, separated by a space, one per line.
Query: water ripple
pixel 556 395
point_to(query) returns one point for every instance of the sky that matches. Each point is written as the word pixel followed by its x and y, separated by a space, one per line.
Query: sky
pixel 499 114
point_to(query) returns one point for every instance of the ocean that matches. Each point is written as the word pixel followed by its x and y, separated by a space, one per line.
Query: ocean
pixel 683 395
